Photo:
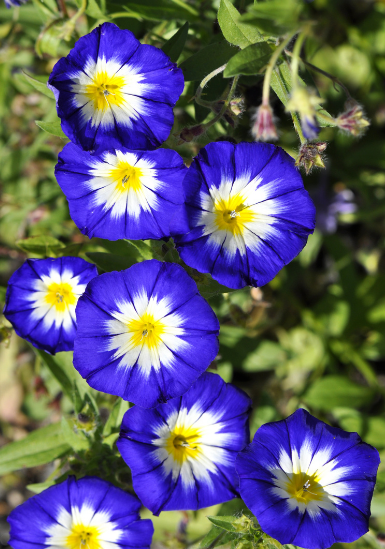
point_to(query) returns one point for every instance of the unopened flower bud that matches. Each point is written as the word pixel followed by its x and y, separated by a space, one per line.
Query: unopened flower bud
pixel 353 120
pixel 304 101
pixel 310 156
pixel 233 111
pixel 188 134
pixel 263 127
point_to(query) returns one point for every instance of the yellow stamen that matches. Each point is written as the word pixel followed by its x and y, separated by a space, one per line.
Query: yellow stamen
pixel 183 443
pixel 104 86
pixel 231 214
pixel 82 537
pixel 146 331
pixel 305 488
pixel 60 295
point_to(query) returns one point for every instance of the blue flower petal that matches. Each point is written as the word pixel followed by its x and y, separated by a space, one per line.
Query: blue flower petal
pixel 121 193
pixel 246 216
pixel 144 334
pixel 41 299
pixel 307 483
pixel 112 91
pixel 182 453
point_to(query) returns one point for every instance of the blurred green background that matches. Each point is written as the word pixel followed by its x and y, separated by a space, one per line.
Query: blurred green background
pixel 315 336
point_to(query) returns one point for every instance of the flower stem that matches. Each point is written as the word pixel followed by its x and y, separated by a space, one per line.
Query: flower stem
pixel 207 79
pixel 326 117
pixel 79 13
pixel 270 67
pixel 298 128
pixel 225 104
pixel 296 57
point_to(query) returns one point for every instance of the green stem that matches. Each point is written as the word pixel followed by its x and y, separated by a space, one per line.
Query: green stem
pixel 270 68
pixel 207 79
pixel 298 128
pixel 326 117
pixel 225 104
pixel 79 13
pixel 296 57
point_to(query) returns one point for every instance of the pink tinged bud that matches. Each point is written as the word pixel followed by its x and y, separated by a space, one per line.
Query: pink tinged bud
pixel 233 111
pixel 353 120
pixel 264 128
pixel 310 156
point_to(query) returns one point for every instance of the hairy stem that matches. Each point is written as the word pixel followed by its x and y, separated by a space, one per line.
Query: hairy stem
pixel 270 68
pixel 207 79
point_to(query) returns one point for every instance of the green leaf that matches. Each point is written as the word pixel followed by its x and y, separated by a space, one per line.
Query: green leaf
pixel 58 371
pixel 93 10
pixel 42 245
pixel 157 10
pixel 226 523
pixel 110 262
pixel 39 85
pixel 174 47
pixel 281 82
pixel 274 17
pixel 54 128
pixel 217 537
pixel 148 249
pixel 208 287
pixel 332 392
pixel 115 418
pixel 207 60
pixel 234 31
pixel 41 446
pixel 249 61
pixel 371 429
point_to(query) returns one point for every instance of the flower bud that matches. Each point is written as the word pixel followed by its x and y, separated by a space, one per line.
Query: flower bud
pixel 304 101
pixel 353 120
pixel 188 134
pixel 264 128
pixel 310 156
pixel 233 111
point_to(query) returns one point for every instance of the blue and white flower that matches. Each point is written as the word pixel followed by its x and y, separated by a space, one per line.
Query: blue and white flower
pixel 122 193
pixel 41 300
pixel 89 513
pixel 14 3
pixel 307 483
pixel 181 454
pixel 145 333
pixel 247 213
pixel 113 91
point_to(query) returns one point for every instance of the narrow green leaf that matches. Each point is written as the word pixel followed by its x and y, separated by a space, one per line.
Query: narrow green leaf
pixel 41 245
pixel 174 47
pixel 115 418
pixel 235 31
pixel 54 128
pixel 274 17
pixel 41 446
pixel 93 10
pixel 226 523
pixel 143 247
pixel 39 85
pixel 208 287
pixel 58 371
pixel 157 10
pixel 207 60
pixel 249 61
pixel 110 262
pixel 217 537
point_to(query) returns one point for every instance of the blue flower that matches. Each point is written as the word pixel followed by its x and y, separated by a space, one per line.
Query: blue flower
pixel 89 513
pixel 41 299
pixel 14 3
pixel 145 333
pixel 181 454
pixel 121 193
pixel 111 90
pixel 247 213
pixel 307 483
pixel 310 126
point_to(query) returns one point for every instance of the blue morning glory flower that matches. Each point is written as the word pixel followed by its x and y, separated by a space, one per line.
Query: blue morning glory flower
pixel 89 513
pixel 122 193
pixel 145 333
pixel 113 91
pixel 247 213
pixel 14 3
pixel 310 126
pixel 41 299
pixel 181 454
pixel 307 483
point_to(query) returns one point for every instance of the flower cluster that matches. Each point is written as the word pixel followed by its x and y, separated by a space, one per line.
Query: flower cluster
pixel 239 212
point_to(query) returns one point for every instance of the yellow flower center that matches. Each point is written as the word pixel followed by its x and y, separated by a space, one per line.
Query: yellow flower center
pixel 231 214
pixel 105 90
pixel 146 331
pixel 183 443
pixel 83 537
pixel 60 296
pixel 305 488
pixel 126 177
